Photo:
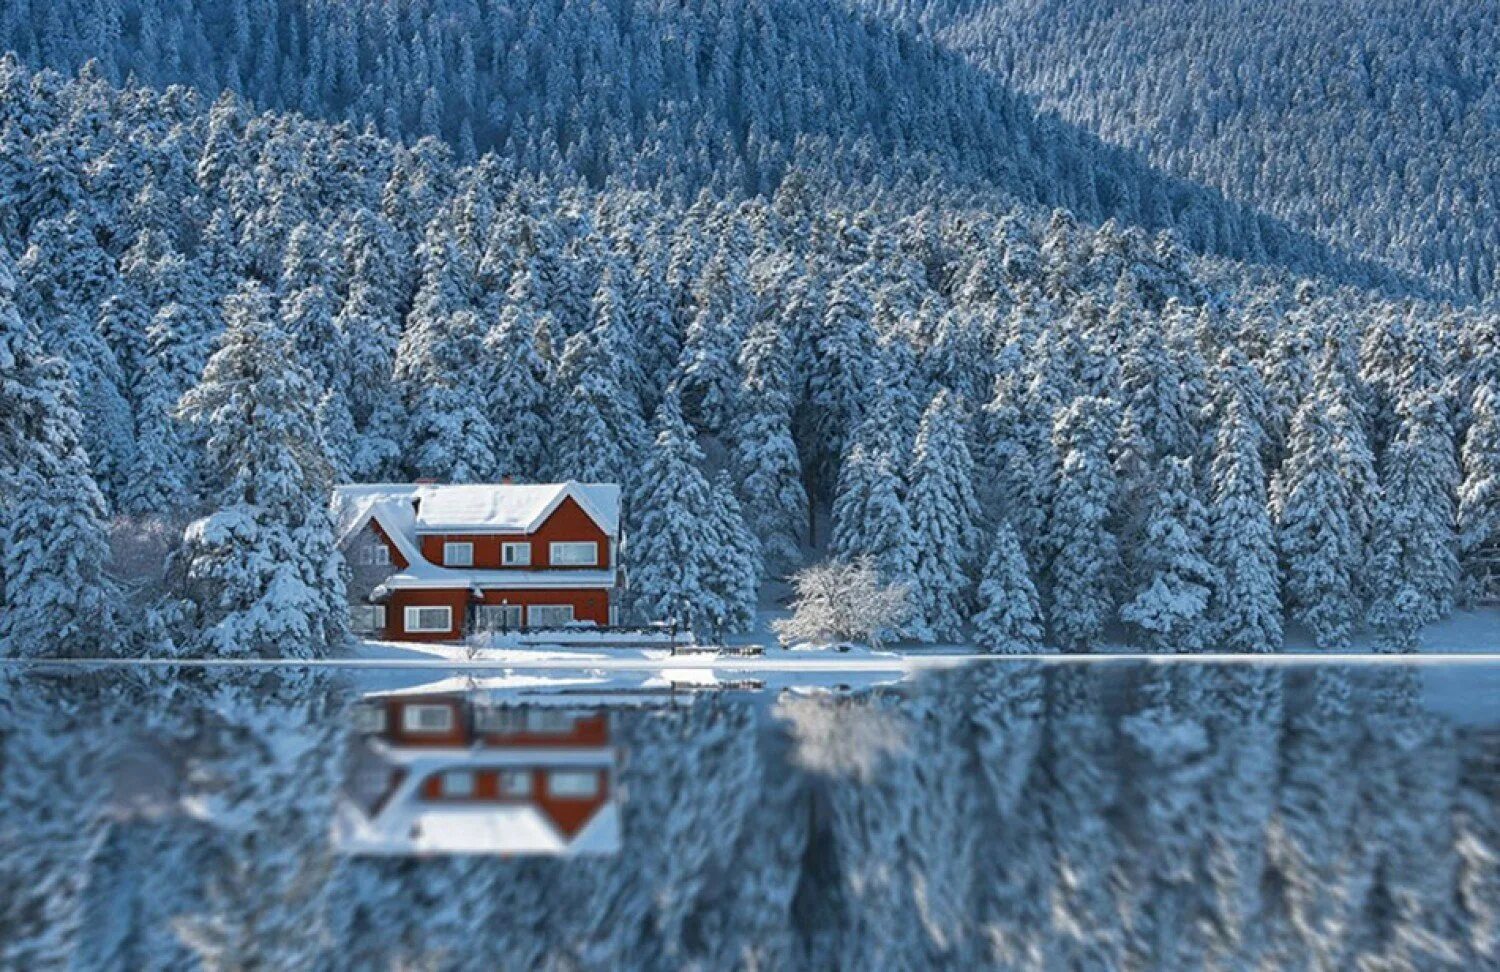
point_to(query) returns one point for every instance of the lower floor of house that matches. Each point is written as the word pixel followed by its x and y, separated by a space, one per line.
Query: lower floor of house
pixel 444 614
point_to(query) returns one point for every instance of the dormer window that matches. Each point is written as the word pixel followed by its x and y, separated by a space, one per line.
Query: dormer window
pixel 458 554
pixel 375 554
pixel 515 554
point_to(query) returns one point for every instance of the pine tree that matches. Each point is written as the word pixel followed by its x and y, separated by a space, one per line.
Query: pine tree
pixel 1317 540
pixel 870 519
pixel 1479 497
pixel 765 456
pixel 55 598
pixel 706 375
pixel 1084 552
pixel 263 570
pixel 1415 561
pixel 732 575
pixel 1170 601
pixel 1246 606
pixel 945 521
pixel 1010 615
pixel 670 548
pixel 518 395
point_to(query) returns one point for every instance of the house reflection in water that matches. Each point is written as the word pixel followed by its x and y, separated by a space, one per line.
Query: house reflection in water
pixel 455 772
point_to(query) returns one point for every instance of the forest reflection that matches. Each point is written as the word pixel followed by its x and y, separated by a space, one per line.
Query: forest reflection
pixel 1130 816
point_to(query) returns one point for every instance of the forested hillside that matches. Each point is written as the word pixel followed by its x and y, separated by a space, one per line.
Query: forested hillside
pixel 1043 427
pixel 1374 124
pixel 718 94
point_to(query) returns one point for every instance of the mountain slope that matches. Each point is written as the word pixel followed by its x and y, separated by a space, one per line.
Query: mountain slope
pixel 1375 125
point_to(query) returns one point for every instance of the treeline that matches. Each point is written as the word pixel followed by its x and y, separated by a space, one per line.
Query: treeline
pixel 1045 429
pixel 1370 124
pixel 999 817
pixel 677 97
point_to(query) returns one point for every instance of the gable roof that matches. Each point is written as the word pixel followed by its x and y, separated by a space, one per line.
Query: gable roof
pixel 512 507
pixel 413 508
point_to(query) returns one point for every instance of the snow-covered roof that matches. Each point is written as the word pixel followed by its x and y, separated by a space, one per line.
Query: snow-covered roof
pixel 511 507
pixel 414 828
pixel 408 824
pixel 484 507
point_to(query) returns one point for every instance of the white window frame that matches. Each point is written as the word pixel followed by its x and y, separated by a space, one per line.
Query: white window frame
pixel 499 720
pixel 515 553
pixel 513 623
pixel 450 547
pixel 533 622
pixel 411 719
pixel 373 611
pixel 375 554
pixel 545 720
pixel 413 616
pixel 467 786
pixel 559 559
pixel 571 788
pixel 513 783
pixel 369 719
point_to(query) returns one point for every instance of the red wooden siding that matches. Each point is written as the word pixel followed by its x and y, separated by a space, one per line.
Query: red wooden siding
pixel 567 523
pixel 589 604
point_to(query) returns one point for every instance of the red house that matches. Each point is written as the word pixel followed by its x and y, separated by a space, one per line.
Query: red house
pixel 455 772
pixel 432 562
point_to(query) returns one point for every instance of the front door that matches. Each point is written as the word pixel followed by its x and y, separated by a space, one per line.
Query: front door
pixel 497 617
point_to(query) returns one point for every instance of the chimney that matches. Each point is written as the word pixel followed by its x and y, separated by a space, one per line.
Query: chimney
pixel 506 480
pixel 425 481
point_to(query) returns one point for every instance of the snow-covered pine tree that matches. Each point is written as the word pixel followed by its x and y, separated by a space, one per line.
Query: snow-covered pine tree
pixel 1479 498
pixel 1084 553
pixel 732 576
pixel 438 367
pixel 597 435
pixel 263 569
pixel 517 393
pixel 705 376
pixel 765 456
pixel 870 519
pixel 670 547
pixel 945 521
pixel 55 598
pixel 1246 606
pixel 1415 560
pixel 1319 548
pixel 1169 603
pixel 1010 614
pixel 841 361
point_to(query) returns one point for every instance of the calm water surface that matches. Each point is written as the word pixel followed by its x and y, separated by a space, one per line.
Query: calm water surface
pixel 1001 815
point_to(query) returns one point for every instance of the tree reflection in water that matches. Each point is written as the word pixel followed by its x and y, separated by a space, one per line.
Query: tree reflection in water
pixel 1128 816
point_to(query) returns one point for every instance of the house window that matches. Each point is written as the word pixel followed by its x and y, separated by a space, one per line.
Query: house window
pixel 369 718
pixel 375 554
pixel 429 620
pixel 549 615
pixel 497 617
pixel 515 783
pixel 573 784
pixel 427 719
pixel 457 783
pixel 367 618
pixel 546 721
pixel 499 721
pixel 515 554
pixel 574 554
pixel 458 554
